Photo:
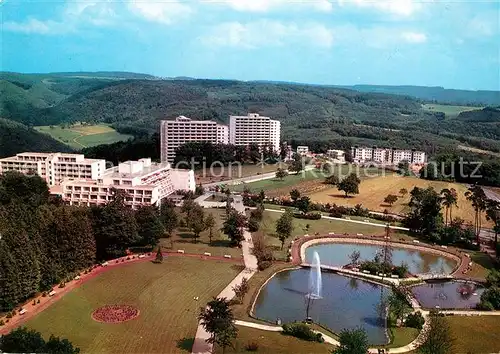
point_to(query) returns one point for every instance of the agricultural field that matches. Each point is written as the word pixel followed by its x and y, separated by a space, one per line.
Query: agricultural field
pixel 81 136
pixel 183 239
pixel 475 334
pixel 321 226
pixel 373 191
pixel 449 110
pixel 163 293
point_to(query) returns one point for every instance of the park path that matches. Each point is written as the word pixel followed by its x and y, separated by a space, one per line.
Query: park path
pixel 200 345
pixel 352 221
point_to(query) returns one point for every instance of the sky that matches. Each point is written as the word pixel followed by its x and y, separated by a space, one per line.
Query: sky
pixel 454 44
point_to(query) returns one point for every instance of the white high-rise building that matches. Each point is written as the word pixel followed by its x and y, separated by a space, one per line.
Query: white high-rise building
pixel 253 128
pixel 175 133
pixel 54 167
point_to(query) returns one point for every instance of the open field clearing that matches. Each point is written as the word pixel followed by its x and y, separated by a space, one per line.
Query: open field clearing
pixel 475 334
pixel 273 343
pixel 81 136
pixel 217 173
pixel 449 110
pixel 163 293
pixel 478 151
pixel 183 239
pixel 373 191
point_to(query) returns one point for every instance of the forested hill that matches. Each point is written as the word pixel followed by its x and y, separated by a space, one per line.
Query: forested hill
pixel 134 105
pixel 436 94
pixel 15 138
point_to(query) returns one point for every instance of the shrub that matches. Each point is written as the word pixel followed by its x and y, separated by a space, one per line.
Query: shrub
pixel 302 331
pixel 44 294
pixel 415 320
pixel 1 323
pixel 34 302
pixel 9 315
pixel 308 216
pixel 122 260
pixel 252 347
pixel 264 265
pixel 62 285
pixel 38 301
pixel 253 224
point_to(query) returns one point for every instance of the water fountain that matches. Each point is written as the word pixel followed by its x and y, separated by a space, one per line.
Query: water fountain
pixel 315 286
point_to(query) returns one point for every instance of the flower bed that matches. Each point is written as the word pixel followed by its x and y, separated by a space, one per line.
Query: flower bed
pixel 115 313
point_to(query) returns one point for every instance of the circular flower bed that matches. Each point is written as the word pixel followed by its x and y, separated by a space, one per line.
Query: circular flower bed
pixel 115 313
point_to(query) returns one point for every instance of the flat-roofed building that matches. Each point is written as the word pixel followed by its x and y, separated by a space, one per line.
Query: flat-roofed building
pixel 254 129
pixel 54 167
pixel 175 133
pixel 388 156
pixel 302 150
pixel 143 183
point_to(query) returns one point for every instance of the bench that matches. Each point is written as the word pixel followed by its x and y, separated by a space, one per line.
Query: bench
pixel 180 251
pixel 142 256
pixel 227 256
pixel 359 234
pixel 22 312
pixel 52 293
pixel 207 254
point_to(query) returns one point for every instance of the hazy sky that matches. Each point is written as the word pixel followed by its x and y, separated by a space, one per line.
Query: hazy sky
pixel 455 44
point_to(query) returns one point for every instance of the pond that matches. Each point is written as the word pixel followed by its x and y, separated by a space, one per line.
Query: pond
pixel 345 303
pixel 337 254
pixel 448 294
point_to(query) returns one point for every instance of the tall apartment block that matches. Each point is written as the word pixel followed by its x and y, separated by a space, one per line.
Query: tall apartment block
pixel 144 183
pixel 387 155
pixel 175 133
pixel 253 128
pixel 54 167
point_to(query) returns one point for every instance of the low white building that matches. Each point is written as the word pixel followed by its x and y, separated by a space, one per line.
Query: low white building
pixel 302 150
pixel 143 182
pixel 387 156
pixel 337 155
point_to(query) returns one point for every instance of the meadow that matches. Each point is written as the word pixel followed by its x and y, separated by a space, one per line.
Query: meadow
pixel 450 111
pixel 81 136
pixel 164 294
pixel 475 334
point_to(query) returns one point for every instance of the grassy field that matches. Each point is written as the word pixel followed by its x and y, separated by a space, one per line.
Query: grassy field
pixel 373 191
pixel 163 293
pixel 183 239
pixel 449 110
pixel 273 343
pixel 475 334
pixel 81 136
pixel 322 226
pixel 215 174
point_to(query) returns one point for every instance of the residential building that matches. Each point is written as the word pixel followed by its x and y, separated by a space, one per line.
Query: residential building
pixel 253 128
pixel 337 155
pixel 302 150
pixel 143 182
pixel 388 156
pixel 175 133
pixel 54 167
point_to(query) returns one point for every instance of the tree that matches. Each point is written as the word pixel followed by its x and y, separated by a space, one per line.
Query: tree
pixel 169 219
pixel 449 199
pixel 390 199
pixel 262 196
pixel 281 173
pixel 404 168
pixel 398 306
pixel 403 192
pixel 218 320
pixel 55 345
pixel 294 194
pixel 350 184
pixel 354 257
pixel 303 204
pixel 477 197
pixel 159 256
pixel 493 214
pixel 210 224
pixel 149 225
pixel 352 342
pixel 233 226
pixel 284 227
pixel 332 179
pixel 197 224
pixel 23 340
pixel 425 215
pixel 297 164
pixel 188 207
pixel 240 290
pixel 439 339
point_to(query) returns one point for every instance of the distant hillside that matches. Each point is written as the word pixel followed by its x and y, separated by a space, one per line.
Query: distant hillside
pixel 15 138
pixel 486 115
pixel 436 94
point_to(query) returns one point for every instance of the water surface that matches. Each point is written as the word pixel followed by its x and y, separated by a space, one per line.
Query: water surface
pixel 448 295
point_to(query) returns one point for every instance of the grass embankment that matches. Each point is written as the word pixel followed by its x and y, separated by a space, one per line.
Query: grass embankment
pixel 164 294
pixel 373 191
pixel 81 136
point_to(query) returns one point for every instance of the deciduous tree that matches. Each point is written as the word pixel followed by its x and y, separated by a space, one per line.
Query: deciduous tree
pixel 284 227
pixel 352 342
pixel 218 320
pixel 350 184
pixel 391 199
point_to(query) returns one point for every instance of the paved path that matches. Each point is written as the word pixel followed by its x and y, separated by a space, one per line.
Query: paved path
pixel 200 345
pixel 352 221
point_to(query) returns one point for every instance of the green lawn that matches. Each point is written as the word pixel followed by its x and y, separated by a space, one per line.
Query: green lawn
pixel 274 183
pixel 475 334
pixel 164 294
pixel 79 136
pixel 322 226
pixel 273 343
pixel 450 111
pixel 183 239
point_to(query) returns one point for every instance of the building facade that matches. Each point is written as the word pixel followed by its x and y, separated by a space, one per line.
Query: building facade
pixel 54 167
pixel 143 183
pixel 387 155
pixel 253 128
pixel 302 150
pixel 175 133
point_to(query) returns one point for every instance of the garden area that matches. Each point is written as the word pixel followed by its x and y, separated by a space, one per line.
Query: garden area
pixel 168 297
